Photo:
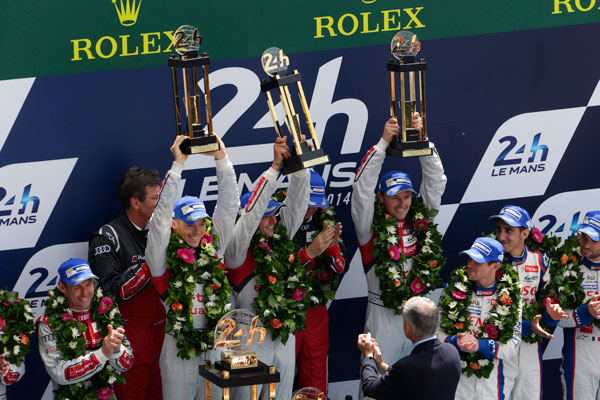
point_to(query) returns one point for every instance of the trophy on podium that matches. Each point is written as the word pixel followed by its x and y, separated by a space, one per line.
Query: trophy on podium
pixel 309 393
pixel 411 142
pixel 275 63
pixel 186 42
pixel 239 333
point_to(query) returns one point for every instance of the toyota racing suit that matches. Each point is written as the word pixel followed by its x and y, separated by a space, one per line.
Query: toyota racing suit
pixel 181 378
pixel 312 342
pixel 240 266
pixel 524 372
pixel 581 352
pixel 68 372
pixel 472 387
pixel 13 374
pixel 116 256
pixel 381 322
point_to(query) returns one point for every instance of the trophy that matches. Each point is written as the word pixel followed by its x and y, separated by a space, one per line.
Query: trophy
pixel 410 142
pixel 309 393
pixel 275 63
pixel 186 42
pixel 240 332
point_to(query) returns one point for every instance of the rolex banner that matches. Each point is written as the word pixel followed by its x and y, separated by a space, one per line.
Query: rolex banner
pixel 513 107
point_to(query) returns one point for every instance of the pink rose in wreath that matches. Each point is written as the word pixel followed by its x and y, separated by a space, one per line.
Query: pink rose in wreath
pixel 266 245
pixel 205 239
pixel 104 305
pixel 459 295
pixel 298 294
pixel 491 331
pixel 394 253
pixel 67 317
pixel 105 393
pixel 417 286
pixel 186 255
pixel 537 235
pixel 421 225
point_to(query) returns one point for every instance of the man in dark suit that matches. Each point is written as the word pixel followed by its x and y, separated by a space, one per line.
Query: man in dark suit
pixel 431 371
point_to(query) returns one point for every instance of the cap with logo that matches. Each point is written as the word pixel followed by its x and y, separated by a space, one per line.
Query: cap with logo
pixel 189 209
pixel 514 216
pixel 591 225
pixel 485 249
pixel 394 182
pixel 74 271
pixel 317 191
pixel 272 208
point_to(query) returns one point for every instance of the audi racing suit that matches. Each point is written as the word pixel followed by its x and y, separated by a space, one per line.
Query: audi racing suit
pixel 13 374
pixel 312 343
pixel 116 256
pixel 181 379
pixel 68 372
pixel 524 372
pixel 381 321
pixel 474 388
pixel 581 352
pixel 240 266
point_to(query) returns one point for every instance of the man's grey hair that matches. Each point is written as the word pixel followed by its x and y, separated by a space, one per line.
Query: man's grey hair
pixel 422 315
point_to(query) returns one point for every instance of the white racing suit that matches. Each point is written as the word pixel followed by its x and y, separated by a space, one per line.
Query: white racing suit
pixel 580 367
pixel 383 324
pixel 68 372
pixel 181 378
pixel 241 264
pixel 474 388
pixel 13 374
pixel 524 372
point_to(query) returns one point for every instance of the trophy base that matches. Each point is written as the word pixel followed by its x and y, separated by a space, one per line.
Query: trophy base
pixel 201 144
pixel 409 149
pixel 232 360
pixel 304 160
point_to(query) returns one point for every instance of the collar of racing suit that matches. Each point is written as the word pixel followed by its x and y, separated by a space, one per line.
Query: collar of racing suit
pixel 521 258
pixel 488 291
pixel 593 265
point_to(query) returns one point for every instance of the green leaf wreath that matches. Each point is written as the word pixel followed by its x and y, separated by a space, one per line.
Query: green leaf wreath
pixel 566 278
pixel 323 281
pixel 284 295
pixel 427 261
pixel 71 343
pixel 499 325
pixel 190 266
pixel 19 323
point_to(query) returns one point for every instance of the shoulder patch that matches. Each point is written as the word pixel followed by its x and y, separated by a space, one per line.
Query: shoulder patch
pixel 111 234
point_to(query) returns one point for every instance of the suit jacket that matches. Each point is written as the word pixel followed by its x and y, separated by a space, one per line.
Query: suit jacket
pixel 431 371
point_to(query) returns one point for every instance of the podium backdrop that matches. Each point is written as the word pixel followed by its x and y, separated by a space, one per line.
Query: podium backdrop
pixel 513 94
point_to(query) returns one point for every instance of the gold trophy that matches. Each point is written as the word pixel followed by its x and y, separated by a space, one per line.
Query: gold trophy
pixel 186 42
pixel 411 142
pixel 275 63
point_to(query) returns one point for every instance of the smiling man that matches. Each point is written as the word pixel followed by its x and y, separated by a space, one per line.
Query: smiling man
pixel 581 354
pixel 395 193
pixel 76 282
pixel 181 250
pixel 480 301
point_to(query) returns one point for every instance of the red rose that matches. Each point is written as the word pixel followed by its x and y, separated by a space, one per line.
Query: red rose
pixel 275 323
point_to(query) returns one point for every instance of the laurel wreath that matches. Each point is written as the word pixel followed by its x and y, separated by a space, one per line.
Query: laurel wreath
pixel 499 325
pixel 71 343
pixel 19 323
pixel 566 277
pixel 188 266
pixel 285 294
pixel 389 260
pixel 322 280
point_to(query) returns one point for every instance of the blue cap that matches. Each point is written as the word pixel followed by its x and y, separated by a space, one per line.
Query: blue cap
pixel 74 271
pixel 514 216
pixel 394 182
pixel 317 191
pixel 485 249
pixel 591 225
pixel 189 209
pixel 272 208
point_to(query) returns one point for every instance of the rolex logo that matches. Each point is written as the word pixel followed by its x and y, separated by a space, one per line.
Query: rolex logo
pixel 127 12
